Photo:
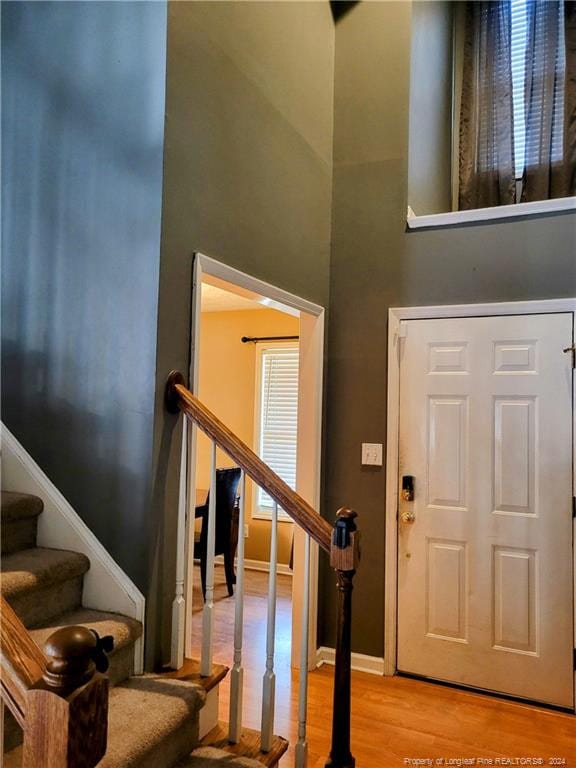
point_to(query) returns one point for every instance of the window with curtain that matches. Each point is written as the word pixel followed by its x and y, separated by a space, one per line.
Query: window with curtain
pixel 276 416
pixel 517 126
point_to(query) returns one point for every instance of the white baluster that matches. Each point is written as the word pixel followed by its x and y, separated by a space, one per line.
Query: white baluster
pixel 302 745
pixel 237 672
pixel 179 603
pixel 2 715
pixel 208 612
pixel 269 682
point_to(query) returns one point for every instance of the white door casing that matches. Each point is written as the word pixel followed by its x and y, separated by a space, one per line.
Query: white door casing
pixel 485 570
pixel 309 444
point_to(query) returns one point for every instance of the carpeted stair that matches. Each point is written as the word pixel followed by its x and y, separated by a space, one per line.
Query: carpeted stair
pixel 153 719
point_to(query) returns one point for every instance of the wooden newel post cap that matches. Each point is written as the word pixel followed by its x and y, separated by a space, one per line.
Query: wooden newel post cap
pixel 345 545
pixel 73 656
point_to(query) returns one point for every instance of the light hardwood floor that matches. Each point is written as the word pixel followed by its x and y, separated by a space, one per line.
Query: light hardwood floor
pixel 393 719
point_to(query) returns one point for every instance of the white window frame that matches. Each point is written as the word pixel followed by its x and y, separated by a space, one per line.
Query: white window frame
pixel 260 512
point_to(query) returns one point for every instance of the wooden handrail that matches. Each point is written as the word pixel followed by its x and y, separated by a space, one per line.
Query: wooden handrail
pixel 179 398
pixel 22 662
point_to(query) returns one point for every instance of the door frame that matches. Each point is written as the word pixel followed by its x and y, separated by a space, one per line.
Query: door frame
pixel 395 333
pixel 309 453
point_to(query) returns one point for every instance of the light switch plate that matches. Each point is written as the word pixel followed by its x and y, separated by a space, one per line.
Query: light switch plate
pixel 372 454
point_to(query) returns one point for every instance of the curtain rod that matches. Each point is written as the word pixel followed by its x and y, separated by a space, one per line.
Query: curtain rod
pixel 254 339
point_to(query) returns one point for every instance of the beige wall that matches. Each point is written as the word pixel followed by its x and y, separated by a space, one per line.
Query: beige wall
pixel 227 381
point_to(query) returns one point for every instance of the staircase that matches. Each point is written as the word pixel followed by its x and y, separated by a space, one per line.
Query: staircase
pixel 153 720
pixel 73 716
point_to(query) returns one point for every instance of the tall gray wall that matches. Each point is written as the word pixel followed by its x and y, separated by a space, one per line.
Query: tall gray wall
pixel 82 142
pixel 376 264
pixel 248 179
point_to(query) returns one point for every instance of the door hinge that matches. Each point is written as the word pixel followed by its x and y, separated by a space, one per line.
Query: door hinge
pixel 574 659
pixel 574 506
pixel 572 351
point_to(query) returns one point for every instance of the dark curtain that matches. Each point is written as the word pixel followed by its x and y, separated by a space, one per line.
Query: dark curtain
pixel 550 161
pixel 486 176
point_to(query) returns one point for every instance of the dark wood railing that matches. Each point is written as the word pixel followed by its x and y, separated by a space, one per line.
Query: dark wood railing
pixel 59 696
pixel 340 541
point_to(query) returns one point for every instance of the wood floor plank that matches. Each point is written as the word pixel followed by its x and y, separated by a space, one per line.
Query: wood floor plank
pixel 394 718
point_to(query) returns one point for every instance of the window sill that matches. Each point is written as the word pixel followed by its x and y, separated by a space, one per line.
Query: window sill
pixel 490 214
pixel 266 514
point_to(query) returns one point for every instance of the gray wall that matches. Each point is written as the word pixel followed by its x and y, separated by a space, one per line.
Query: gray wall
pixel 376 264
pixel 248 179
pixel 430 137
pixel 82 140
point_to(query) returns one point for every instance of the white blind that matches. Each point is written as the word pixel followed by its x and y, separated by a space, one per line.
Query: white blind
pixel 518 53
pixel 278 414
pixel 545 36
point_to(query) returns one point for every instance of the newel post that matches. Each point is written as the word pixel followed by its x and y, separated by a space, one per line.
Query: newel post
pixel 344 556
pixel 66 723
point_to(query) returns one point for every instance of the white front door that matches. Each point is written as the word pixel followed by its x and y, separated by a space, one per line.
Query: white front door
pixel 485 568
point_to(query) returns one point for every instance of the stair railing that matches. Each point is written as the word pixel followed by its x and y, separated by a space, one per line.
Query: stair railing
pixel 340 541
pixel 59 697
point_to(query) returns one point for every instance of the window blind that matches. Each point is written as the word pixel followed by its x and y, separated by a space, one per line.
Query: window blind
pixel 518 42
pixel 544 35
pixel 278 414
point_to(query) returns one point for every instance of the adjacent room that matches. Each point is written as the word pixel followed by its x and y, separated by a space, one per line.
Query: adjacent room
pixel 248 377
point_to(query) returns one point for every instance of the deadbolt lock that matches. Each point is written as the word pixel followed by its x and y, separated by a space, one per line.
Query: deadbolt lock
pixel 408 487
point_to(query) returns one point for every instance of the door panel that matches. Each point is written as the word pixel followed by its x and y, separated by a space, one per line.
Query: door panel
pixel 485 569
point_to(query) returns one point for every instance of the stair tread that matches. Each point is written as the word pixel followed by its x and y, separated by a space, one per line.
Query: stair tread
pixel 211 757
pixel 123 629
pixel 19 506
pixel 248 747
pixel 190 671
pixel 144 711
pixel 30 569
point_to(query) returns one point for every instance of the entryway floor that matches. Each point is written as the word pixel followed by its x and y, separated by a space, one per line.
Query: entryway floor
pixel 395 721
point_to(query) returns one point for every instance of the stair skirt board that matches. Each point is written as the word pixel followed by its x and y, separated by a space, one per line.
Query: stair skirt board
pixel 374 665
pixel 106 587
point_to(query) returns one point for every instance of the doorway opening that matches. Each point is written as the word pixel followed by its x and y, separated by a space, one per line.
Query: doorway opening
pixel 256 362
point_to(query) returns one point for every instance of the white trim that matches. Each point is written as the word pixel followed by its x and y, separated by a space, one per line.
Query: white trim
pixel 533 307
pixel 208 715
pixel 265 513
pixel 390 522
pixel 373 665
pixel 395 332
pixel 106 586
pixel 282 569
pixel 535 208
pixel 283 300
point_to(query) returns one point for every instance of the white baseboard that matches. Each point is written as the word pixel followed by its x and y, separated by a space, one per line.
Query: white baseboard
pixel 259 565
pixel 106 586
pixel 374 665
pixel 256 565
